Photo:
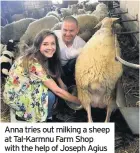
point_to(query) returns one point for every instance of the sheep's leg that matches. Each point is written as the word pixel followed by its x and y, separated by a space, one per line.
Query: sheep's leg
pixel 109 111
pixel 88 109
pixel 85 98
pixel 110 108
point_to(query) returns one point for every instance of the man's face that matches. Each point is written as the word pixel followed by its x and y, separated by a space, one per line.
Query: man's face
pixel 69 31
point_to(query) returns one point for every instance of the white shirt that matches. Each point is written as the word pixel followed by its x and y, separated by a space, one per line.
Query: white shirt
pixel 67 53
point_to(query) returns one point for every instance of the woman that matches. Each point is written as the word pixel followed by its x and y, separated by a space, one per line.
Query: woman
pixel 26 88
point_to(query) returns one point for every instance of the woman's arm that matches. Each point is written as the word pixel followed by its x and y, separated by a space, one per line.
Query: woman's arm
pixel 38 72
pixel 50 83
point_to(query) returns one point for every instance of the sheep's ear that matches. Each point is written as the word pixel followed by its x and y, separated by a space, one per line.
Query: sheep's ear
pixel 98 25
pixel 114 19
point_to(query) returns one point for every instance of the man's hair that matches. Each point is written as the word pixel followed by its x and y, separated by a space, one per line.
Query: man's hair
pixel 71 19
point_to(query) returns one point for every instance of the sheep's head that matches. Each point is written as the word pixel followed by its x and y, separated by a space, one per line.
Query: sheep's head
pixel 106 22
pixel 12 45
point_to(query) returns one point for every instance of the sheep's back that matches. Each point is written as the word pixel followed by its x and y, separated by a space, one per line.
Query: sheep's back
pixel 36 26
pixel 15 30
pixel 89 22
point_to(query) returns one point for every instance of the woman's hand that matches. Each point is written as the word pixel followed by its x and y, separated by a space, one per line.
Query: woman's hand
pixel 78 102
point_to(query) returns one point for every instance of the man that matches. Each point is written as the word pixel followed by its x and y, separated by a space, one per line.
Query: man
pixel 69 44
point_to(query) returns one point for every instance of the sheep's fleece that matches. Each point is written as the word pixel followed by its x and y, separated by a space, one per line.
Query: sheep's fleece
pixel 36 26
pixel 15 30
pixel 97 71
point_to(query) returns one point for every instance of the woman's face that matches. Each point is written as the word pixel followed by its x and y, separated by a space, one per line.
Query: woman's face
pixel 48 46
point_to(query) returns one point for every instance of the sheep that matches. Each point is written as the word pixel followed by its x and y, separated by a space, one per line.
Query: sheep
pixel 86 35
pixel 66 12
pixel 6 61
pixel 74 9
pixel 57 26
pixel 79 5
pixel 87 26
pixel 101 11
pixel 101 7
pixel 7 58
pixel 57 10
pixel 2 48
pixel 36 13
pixel 14 30
pixel 88 12
pixel 90 22
pixel 54 13
pixel 81 11
pixel 97 71
pixel 4 21
pixel 100 15
pixel 90 6
pixel 36 26
pixel 17 17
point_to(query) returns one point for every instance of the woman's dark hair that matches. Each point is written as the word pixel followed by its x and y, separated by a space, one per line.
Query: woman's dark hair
pixel 52 66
